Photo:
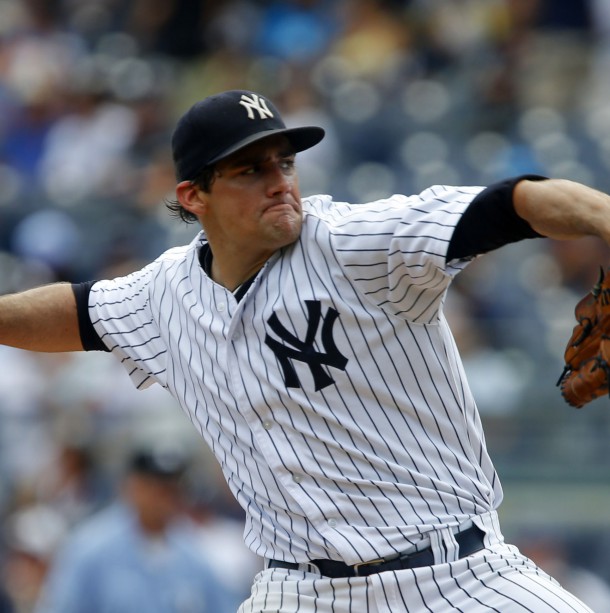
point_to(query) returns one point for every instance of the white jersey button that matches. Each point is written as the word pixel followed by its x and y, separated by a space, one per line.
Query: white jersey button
pixel 221 306
pixel 267 425
pixel 332 523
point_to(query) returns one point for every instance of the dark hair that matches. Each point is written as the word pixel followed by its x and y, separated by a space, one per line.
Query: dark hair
pixel 204 181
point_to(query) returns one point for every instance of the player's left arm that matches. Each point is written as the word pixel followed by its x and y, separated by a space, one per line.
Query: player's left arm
pixel 562 209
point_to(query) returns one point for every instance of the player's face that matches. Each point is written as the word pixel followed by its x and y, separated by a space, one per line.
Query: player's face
pixel 255 199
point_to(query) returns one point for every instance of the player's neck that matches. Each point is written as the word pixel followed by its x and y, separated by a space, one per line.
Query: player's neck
pixel 232 275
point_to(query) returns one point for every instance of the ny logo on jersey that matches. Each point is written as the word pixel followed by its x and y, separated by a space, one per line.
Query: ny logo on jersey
pixel 292 348
pixel 255 103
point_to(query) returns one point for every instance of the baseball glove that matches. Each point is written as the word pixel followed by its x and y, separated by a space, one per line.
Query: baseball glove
pixel 586 374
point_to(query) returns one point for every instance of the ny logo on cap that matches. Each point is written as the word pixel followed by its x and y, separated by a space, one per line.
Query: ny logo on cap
pixel 255 103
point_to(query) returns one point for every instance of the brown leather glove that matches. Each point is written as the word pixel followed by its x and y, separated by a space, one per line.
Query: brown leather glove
pixel 586 374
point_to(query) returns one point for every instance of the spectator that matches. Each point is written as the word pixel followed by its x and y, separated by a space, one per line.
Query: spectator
pixel 32 533
pixel 137 555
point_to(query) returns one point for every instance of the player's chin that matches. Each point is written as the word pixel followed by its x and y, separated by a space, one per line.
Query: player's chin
pixel 285 229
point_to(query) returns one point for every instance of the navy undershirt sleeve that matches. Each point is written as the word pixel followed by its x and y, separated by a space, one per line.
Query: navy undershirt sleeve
pixel 88 336
pixel 490 221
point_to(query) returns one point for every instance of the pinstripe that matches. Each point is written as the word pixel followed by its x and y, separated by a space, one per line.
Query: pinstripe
pixel 463 584
pixel 497 591
pixel 542 593
pixel 383 595
pixel 464 591
pixel 418 585
pixel 334 601
pixel 354 457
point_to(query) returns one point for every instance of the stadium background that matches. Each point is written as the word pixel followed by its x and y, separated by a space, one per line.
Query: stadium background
pixel 412 93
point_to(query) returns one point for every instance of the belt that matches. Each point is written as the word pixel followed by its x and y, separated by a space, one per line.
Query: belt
pixel 470 541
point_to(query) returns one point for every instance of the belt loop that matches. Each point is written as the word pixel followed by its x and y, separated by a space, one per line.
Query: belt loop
pixel 451 547
pixel 444 546
pixel 438 549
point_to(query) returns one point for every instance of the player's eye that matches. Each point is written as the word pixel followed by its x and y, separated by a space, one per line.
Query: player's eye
pixel 287 164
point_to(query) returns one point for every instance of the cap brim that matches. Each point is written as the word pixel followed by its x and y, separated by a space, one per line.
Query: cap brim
pixel 301 138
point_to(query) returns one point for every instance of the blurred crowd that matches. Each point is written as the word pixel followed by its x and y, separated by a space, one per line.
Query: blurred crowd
pixel 411 93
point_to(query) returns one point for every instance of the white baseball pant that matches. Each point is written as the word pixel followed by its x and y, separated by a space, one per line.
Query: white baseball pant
pixel 498 578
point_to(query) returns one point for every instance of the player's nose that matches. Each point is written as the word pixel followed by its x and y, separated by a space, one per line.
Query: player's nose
pixel 278 180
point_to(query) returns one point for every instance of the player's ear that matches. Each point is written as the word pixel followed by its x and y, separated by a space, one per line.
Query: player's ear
pixel 191 197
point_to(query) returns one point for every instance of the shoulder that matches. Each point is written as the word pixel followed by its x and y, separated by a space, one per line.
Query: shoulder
pixel 181 253
pixel 438 206
pixel 378 216
pixel 326 209
pixel 171 259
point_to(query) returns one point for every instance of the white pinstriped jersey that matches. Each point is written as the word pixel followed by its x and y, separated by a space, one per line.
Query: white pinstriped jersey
pixel 332 393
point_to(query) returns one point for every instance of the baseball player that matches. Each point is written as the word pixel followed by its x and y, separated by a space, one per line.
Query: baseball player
pixel 305 339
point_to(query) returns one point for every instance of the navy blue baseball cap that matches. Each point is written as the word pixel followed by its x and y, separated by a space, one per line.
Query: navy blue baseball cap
pixel 170 463
pixel 220 125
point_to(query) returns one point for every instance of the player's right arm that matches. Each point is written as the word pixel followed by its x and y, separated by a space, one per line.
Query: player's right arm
pixel 41 319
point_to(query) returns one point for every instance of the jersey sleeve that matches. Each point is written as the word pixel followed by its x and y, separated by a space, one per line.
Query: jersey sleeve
pixel 88 335
pixel 121 316
pixel 490 221
pixel 395 249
